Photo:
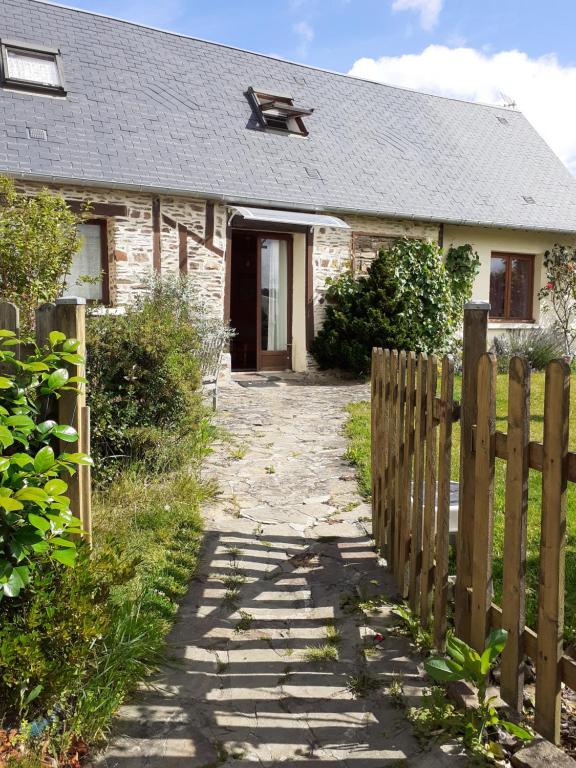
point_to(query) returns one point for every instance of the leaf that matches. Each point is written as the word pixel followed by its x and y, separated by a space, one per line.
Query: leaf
pixel 443 669
pixel 494 647
pixel 21 460
pixel 9 504
pixel 34 693
pixel 44 459
pixel 14 584
pixel 55 487
pixel 60 542
pixel 35 367
pixel 30 493
pixel 54 337
pixel 4 463
pixel 5 333
pixel 20 421
pixel 70 345
pixel 6 438
pixel 74 359
pixel 77 458
pixel 6 383
pixel 65 556
pixel 58 378
pixel 516 730
pixel 65 432
pixel 45 427
pixel 39 522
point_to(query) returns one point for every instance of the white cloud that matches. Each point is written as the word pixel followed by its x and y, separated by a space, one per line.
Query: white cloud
pixel 305 32
pixel 429 10
pixel 542 88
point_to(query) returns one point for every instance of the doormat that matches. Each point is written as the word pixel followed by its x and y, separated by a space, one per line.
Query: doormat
pixel 253 383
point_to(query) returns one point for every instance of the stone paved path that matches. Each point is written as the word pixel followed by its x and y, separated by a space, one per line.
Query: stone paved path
pixel 285 548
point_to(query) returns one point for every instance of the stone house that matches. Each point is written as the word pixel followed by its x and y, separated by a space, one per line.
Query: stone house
pixel 260 177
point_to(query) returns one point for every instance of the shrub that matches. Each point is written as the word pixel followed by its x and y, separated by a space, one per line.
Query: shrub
pixel 538 345
pixel 38 240
pixel 144 380
pixel 559 293
pixel 36 521
pixel 409 299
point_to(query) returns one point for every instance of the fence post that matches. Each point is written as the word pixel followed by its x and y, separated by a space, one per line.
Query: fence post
pixel 474 346
pixel 69 318
pixel 552 551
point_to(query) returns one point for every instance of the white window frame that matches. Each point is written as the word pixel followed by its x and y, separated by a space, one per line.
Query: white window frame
pixel 31 85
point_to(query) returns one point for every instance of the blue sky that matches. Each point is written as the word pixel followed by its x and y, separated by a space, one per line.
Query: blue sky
pixel 497 51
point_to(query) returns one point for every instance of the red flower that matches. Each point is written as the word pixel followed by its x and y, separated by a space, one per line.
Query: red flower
pixel 378 637
pixel 549 286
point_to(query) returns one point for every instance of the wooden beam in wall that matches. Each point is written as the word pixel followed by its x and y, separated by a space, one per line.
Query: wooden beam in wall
pixel 228 274
pixel 309 288
pixel 98 210
pixel 156 235
pixel 183 249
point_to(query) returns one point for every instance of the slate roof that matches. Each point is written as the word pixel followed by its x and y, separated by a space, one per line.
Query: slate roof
pixel 156 110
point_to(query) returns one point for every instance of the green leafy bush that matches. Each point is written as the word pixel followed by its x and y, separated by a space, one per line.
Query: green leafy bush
pixel 409 299
pixel 144 381
pixel 36 521
pixel 38 240
pixel 538 345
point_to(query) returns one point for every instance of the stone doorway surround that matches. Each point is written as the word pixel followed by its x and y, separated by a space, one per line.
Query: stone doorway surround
pixel 285 555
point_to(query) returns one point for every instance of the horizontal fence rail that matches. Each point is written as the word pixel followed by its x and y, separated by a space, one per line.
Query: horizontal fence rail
pixel 413 411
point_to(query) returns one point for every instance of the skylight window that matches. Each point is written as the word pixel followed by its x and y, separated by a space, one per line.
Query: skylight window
pixel 31 67
pixel 278 113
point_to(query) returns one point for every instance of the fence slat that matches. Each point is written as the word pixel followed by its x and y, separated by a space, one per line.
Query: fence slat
pixel 383 450
pixel 392 458
pixel 474 345
pixel 399 500
pixel 443 505
pixel 418 480
pixel 9 317
pixel 429 497
pixel 515 526
pixel 380 431
pixel 407 473
pixel 552 551
pixel 484 502
pixel 86 484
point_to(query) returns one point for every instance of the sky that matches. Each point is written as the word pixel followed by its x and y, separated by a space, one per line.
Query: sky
pixel 505 52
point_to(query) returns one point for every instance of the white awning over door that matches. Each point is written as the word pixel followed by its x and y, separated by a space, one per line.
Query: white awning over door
pixel 268 216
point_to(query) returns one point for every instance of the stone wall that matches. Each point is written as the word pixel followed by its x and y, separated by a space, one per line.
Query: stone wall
pixel 130 240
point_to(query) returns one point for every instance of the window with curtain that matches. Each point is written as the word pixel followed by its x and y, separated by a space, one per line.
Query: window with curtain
pixel 511 286
pixel 86 276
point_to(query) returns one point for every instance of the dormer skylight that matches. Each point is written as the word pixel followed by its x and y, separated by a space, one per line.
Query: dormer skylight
pixel 277 112
pixel 31 67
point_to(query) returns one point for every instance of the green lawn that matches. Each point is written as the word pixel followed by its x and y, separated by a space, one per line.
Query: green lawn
pixel 358 432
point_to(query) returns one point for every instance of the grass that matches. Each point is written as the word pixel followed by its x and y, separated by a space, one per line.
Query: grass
pixel 358 452
pixel 327 651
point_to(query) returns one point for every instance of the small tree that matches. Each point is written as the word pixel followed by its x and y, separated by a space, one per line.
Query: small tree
pixel 38 240
pixel 409 299
pixel 559 292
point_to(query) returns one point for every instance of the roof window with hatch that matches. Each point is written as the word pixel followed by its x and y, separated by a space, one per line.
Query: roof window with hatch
pixel 32 67
pixel 278 113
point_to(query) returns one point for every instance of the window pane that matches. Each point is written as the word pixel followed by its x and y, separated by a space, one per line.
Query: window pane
pixel 85 276
pixel 497 286
pixel 33 67
pixel 274 294
pixel 520 289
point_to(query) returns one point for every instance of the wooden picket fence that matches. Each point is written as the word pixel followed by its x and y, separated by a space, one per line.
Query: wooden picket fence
pixel 67 315
pixel 412 418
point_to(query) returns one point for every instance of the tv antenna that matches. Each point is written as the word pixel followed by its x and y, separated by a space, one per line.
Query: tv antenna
pixel 509 102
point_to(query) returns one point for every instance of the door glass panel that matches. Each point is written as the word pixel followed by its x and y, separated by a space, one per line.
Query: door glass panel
pixel 85 275
pixel 497 286
pixel 520 289
pixel 274 294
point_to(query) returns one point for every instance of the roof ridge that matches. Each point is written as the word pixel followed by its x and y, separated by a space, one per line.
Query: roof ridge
pixel 506 110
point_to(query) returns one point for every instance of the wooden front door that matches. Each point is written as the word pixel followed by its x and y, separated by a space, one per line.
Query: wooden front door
pixel 274 302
